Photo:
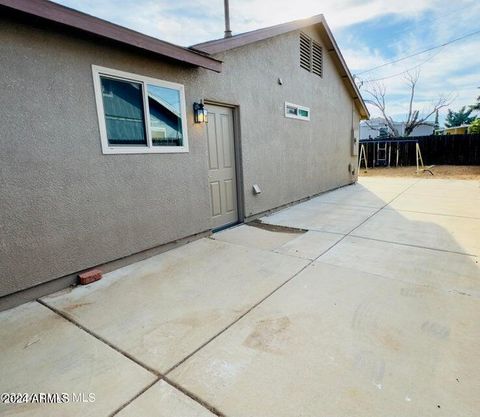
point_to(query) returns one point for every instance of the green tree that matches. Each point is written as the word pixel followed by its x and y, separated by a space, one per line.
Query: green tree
pixel 474 128
pixel 458 118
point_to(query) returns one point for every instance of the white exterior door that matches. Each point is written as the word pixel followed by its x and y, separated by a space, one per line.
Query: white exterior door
pixel 221 166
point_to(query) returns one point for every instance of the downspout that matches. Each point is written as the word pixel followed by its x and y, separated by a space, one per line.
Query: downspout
pixel 355 144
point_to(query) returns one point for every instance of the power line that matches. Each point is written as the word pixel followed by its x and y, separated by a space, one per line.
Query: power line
pixel 403 72
pixel 420 52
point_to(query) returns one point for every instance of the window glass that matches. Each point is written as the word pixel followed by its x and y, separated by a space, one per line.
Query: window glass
pixel 292 110
pixel 139 114
pixel 123 109
pixel 165 116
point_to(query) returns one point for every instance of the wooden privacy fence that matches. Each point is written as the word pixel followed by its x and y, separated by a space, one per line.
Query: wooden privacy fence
pixel 436 150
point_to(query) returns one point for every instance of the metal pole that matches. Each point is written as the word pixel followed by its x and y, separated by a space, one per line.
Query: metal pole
pixel 228 32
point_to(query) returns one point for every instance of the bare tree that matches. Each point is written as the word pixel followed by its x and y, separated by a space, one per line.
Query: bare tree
pixel 377 92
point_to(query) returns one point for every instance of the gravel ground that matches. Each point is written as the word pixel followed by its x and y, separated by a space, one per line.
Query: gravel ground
pixel 466 172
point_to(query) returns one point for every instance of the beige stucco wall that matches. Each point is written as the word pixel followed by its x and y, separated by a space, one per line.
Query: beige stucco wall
pixel 290 159
pixel 65 206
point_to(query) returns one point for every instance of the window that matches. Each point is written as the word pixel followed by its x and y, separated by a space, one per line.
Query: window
pixel 294 111
pixel 311 55
pixel 139 114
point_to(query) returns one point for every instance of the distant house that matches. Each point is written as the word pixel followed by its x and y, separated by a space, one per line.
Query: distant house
pixel 377 127
pixel 455 130
pixel 105 152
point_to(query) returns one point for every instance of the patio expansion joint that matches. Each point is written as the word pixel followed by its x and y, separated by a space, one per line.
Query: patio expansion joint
pixel 241 316
pixel 433 214
pixel 348 205
pixel 158 376
pixel 447 291
pixel 178 387
pixel 138 394
pixel 369 217
pixel 272 250
pixel 309 263
pixel 412 245
pixel 194 397
pixel 100 338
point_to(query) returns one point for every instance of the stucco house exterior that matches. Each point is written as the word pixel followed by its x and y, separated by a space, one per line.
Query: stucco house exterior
pixel 102 162
pixel 454 130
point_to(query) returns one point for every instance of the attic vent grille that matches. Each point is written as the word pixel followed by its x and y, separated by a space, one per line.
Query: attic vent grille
pixel 311 57
pixel 305 52
pixel 317 59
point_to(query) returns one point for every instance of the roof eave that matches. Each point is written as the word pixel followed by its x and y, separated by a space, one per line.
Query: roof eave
pixel 225 44
pixel 357 97
pixel 59 14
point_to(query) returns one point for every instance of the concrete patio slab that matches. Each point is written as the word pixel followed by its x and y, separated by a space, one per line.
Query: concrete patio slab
pixel 337 342
pixel 255 237
pixel 42 352
pixel 382 184
pixel 358 196
pixel 314 215
pixel 306 245
pixel 467 206
pixel 455 234
pixel 163 400
pixel 389 181
pixel 162 309
pixel 309 245
pixel 431 268
pixel 384 323
pixel 447 188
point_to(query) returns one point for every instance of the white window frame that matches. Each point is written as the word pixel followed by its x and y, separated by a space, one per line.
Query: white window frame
pixel 98 71
pixel 297 116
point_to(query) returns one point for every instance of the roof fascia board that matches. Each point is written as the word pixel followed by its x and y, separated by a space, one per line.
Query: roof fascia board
pixel 357 96
pixel 225 44
pixel 72 18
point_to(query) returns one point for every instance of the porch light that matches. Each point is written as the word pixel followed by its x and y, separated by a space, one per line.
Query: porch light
pixel 199 113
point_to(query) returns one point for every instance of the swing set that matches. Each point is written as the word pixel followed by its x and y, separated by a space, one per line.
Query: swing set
pixel 382 153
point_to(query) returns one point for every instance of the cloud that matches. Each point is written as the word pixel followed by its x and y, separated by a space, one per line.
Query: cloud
pixel 369 33
pixel 190 21
pixel 450 71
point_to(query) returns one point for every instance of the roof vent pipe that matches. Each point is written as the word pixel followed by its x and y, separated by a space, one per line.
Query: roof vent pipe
pixel 228 32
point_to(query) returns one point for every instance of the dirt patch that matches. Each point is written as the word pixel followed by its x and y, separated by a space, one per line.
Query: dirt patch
pixel 269 335
pixel 72 307
pixel 275 228
pixel 458 172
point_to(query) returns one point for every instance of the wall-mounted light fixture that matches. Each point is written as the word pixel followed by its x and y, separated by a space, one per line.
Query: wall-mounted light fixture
pixel 199 113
